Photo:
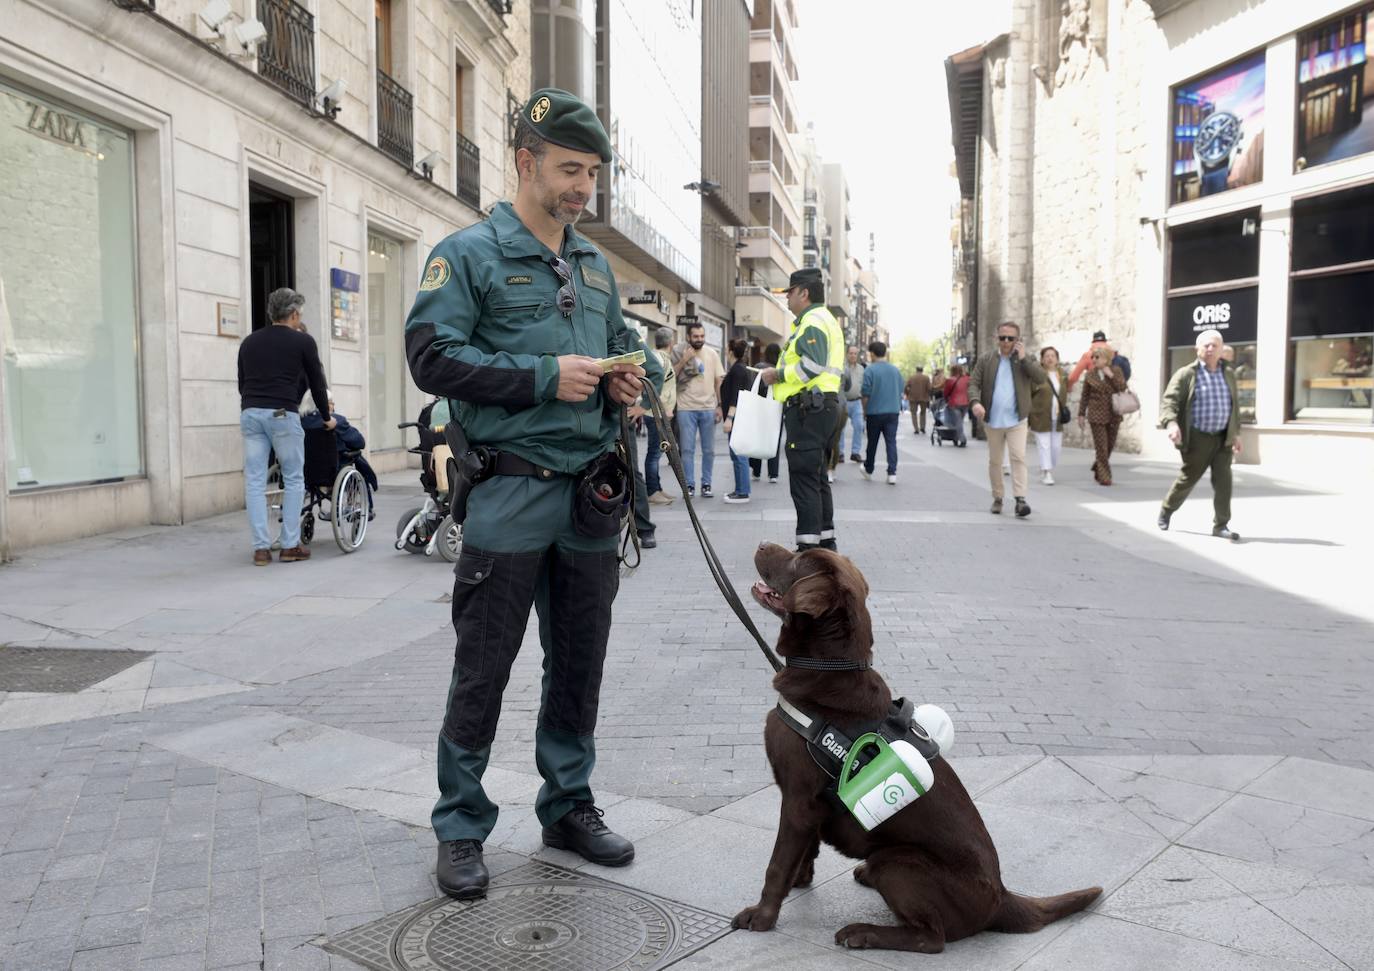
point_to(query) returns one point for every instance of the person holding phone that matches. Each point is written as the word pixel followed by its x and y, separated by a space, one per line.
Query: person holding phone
pixel 999 392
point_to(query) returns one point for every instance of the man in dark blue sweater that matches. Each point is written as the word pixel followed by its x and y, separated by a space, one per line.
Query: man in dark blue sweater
pixel 882 397
pixel 271 362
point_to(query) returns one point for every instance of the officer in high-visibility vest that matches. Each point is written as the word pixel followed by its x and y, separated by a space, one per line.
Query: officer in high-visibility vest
pixel 807 382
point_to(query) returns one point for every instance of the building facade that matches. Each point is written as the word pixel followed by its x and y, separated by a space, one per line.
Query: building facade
pixel 1219 175
pixel 174 165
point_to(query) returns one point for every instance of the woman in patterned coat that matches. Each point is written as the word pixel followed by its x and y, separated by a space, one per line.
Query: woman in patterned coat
pixel 1101 381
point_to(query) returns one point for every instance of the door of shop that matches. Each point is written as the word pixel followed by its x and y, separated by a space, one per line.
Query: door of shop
pixel 272 247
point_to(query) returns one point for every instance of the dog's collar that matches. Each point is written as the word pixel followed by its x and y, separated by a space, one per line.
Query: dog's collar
pixel 825 664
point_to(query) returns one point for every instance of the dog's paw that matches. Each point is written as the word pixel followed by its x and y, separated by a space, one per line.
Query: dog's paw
pixel 756 918
pixel 861 875
pixel 858 935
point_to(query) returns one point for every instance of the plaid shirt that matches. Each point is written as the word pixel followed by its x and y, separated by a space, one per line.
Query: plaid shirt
pixel 1211 400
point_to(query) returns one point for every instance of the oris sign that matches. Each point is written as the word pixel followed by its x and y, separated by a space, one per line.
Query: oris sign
pixel 1233 312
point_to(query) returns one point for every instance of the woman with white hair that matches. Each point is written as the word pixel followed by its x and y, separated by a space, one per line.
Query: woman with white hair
pixel 346 439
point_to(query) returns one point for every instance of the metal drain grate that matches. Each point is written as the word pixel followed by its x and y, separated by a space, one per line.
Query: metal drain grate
pixel 538 917
pixel 60 669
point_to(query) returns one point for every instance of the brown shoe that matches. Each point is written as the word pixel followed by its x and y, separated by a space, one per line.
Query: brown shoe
pixel 295 553
pixel 262 557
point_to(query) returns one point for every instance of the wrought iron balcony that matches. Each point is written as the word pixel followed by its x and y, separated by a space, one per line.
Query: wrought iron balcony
pixel 395 120
pixel 499 7
pixel 469 167
pixel 809 242
pixel 287 56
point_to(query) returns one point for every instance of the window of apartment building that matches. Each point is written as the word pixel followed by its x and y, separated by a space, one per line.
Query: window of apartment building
pixel 1330 330
pixel 1335 85
pixel 383 31
pixel 1214 285
pixel 68 308
pixel 386 361
pixel 1217 130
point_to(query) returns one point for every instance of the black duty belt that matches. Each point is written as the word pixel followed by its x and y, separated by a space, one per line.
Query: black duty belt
pixel 802 396
pixel 507 463
pixel 829 744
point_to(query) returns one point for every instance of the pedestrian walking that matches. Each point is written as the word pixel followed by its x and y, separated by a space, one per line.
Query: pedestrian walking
pixel 699 375
pixel 956 401
pixel 1000 394
pixel 807 382
pixel 1049 411
pixel 1103 380
pixel 882 398
pixel 851 385
pixel 771 354
pixel 271 363
pixel 738 381
pixel 1085 362
pixel 663 343
pixel 534 532
pixel 917 394
pixel 1200 411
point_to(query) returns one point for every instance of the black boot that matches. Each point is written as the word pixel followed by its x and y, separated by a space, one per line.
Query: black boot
pixel 460 870
pixel 582 831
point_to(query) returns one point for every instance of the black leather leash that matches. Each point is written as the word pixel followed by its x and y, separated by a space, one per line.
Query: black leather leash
pixel 669 446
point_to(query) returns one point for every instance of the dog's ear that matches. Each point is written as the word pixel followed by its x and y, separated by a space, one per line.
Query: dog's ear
pixel 813 595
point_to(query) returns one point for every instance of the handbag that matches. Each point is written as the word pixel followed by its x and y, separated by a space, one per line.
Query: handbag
pixel 1064 415
pixel 1125 402
pixel 757 424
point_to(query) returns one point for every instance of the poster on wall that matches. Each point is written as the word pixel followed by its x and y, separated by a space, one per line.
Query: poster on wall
pixel 347 303
pixel 1218 130
pixel 1334 78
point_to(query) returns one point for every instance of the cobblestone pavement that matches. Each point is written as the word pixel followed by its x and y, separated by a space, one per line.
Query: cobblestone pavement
pixel 1122 700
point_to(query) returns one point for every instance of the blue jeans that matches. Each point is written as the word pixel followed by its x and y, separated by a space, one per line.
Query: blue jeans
pixel 264 431
pixel 855 410
pixel 886 426
pixel 652 482
pixel 741 465
pixel 957 414
pixel 690 425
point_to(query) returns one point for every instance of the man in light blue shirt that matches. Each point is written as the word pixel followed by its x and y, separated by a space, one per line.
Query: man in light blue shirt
pixel 999 391
pixel 882 398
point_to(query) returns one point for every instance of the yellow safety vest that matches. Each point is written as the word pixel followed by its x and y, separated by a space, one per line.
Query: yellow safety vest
pixel 795 368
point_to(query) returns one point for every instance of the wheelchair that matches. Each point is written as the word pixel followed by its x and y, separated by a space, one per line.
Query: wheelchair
pixel 429 528
pixel 335 492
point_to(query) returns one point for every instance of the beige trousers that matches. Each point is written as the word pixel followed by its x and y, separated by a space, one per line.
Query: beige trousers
pixel 1013 440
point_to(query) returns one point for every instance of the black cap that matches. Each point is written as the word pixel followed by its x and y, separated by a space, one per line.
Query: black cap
pixel 561 118
pixel 801 278
pixel 1100 335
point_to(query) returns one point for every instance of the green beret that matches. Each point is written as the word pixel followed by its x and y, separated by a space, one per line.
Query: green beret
pixel 559 117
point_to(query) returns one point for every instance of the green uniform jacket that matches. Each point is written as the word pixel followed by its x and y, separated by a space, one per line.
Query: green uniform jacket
pixel 486 332
pixel 1177 403
pixel 1025 375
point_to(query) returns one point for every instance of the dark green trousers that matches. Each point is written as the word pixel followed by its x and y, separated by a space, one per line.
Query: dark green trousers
pixel 1204 450
pixel 520 550
pixel 811 436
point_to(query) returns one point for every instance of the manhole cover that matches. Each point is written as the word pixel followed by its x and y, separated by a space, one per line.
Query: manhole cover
pixel 538 917
pixel 60 669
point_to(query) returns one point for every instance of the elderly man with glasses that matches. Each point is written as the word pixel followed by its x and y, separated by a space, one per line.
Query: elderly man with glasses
pixel 512 317
pixel 999 391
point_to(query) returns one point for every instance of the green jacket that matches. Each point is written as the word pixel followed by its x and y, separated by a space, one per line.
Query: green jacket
pixel 1025 375
pixel 486 332
pixel 1177 403
pixel 1044 402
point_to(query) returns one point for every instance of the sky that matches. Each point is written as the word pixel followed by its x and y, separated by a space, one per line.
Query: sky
pixel 873 83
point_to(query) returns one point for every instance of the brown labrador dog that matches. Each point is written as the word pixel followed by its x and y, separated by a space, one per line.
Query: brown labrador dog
pixel 933 862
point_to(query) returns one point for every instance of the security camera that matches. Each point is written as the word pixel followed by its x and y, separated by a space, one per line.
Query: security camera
pixel 250 34
pixel 215 13
pixel 331 98
pixel 427 164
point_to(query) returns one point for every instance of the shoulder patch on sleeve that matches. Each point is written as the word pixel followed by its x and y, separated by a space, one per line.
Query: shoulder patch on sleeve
pixel 437 273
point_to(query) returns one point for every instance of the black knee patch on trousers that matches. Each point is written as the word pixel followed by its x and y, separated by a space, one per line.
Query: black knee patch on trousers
pixel 492 594
pixel 582 587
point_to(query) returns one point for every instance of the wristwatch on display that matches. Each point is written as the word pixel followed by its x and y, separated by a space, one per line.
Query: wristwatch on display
pixel 1217 139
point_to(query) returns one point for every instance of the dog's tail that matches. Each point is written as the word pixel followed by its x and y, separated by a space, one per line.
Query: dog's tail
pixel 1025 915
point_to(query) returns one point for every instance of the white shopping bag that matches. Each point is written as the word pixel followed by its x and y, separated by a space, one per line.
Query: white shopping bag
pixel 758 423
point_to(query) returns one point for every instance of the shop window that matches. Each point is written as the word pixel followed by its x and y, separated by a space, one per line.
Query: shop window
pixel 1334 229
pixel 68 310
pixel 385 342
pixel 1217 130
pixel 1214 250
pixel 1334 89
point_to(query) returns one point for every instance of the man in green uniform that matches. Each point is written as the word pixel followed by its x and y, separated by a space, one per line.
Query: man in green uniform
pixel 807 382
pixel 510 321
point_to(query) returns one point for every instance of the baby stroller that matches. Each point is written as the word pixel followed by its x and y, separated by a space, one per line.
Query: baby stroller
pixel 429 527
pixel 945 427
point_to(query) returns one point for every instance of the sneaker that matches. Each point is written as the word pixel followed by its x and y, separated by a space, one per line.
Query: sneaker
pixel 583 832
pixel 647 541
pixel 855 457
pixel 839 459
pixel 661 498
pixel 460 871
pixel 997 506
pixel 1164 517
pixel 1047 477
pixel 262 557
pixel 830 477
pixel 294 554
pixel 866 473
pixel 1022 507
pixel 1222 532
pixel 706 490
pixel 772 480
pixel 737 497
pixel 892 479
pixel 691 492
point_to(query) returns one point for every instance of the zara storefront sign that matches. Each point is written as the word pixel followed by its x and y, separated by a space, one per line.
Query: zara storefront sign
pixel 1232 312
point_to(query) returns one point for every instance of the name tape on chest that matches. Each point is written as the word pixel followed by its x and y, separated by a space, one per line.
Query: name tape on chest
pixel 594 278
pixel 519 279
